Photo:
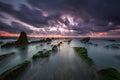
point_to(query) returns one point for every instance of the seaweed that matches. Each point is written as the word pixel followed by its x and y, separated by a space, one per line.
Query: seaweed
pixel 109 74
pixel 42 54
pixel 12 73
pixel 83 53
pixel 54 48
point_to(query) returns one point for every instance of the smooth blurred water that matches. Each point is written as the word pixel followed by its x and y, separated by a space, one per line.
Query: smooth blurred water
pixel 103 57
pixel 65 62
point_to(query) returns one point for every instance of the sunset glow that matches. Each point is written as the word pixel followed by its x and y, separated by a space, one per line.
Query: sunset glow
pixel 92 35
pixel 59 39
pixel 41 19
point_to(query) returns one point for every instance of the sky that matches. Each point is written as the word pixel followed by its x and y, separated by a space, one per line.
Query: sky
pixel 60 18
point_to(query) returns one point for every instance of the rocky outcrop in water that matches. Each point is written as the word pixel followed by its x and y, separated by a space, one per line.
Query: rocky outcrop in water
pixel 22 39
pixel 42 40
pixel 1 42
pixel 85 40
pixel 116 46
pixel 9 44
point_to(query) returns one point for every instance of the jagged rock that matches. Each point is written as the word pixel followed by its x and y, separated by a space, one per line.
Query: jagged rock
pixel 85 40
pixel 22 39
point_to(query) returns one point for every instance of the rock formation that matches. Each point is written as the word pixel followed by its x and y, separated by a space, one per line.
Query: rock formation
pixel 22 39
pixel 85 40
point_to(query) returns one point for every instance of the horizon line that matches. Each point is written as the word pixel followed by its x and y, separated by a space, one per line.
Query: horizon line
pixel 29 36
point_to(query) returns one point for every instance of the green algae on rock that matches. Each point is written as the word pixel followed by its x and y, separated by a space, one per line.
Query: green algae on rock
pixel 109 74
pixel 83 53
pixel 42 54
pixel 10 74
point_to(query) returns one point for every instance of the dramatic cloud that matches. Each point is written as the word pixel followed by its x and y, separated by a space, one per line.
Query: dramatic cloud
pixel 96 18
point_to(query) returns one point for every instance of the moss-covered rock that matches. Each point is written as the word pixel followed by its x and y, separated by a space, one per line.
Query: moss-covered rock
pixel 109 74
pixel 41 54
pixel 6 55
pixel 83 53
pixel 12 73
pixel 54 48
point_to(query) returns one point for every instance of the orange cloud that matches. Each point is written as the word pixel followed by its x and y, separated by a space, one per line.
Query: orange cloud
pixel 4 33
pixel 8 34
pixel 92 34
pixel 98 34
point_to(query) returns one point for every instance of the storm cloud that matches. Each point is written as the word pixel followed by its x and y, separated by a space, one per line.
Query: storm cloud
pixel 61 17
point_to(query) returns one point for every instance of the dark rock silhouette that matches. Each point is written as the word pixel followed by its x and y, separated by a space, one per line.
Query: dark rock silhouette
pixel 116 46
pixel 1 42
pixel 85 40
pixel 9 44
pixel 42 40
pixel 111 40
pixel 22 39
pixel 48 39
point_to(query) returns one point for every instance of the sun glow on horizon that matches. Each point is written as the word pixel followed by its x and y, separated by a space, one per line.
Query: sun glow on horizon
pixel 98 35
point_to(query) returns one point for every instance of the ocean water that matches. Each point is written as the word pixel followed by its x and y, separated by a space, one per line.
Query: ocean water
pixel 64 64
